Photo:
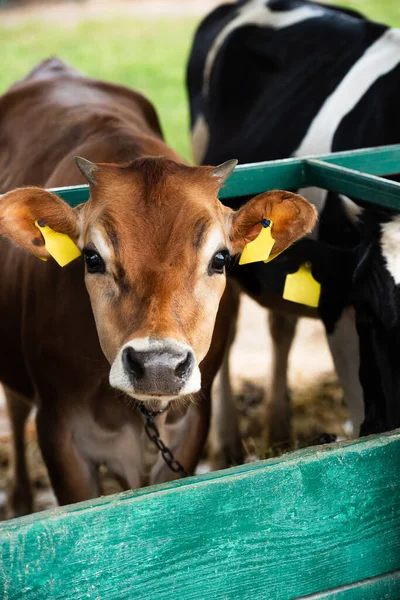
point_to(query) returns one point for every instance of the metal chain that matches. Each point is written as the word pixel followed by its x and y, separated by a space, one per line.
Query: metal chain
pixel 153 434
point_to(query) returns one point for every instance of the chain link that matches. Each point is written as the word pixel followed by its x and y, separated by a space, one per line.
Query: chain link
pixel 154 435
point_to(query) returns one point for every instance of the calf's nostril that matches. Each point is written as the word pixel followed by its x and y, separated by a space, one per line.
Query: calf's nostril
pixel 132 364
pixel 184 366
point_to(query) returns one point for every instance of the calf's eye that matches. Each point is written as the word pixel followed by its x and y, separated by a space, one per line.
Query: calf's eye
pixel 218 262
pixel 94 262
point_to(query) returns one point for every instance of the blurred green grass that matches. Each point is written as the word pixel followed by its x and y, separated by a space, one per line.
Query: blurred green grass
pixel 385 11
pixel 147 54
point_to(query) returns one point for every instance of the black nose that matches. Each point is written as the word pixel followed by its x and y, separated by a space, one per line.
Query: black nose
pixel 161 372
pixel 132 364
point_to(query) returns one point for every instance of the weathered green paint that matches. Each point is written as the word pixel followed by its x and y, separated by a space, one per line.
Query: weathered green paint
pixel 313 520
pixel 258 177
pixel 383 160
pixel 74 195
pixel 383 587
pixel 342 173
pixel 352 183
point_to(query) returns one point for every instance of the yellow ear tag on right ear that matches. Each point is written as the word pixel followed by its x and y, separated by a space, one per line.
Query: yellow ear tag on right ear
pixel 301 287
pixel 59 245
pixel 260 248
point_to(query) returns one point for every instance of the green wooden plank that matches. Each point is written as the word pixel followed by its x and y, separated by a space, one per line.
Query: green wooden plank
pixel 383 587
pixel 352 183
pixel 312 520
pixel 384 160
pixel 296 173
pixel 291 174
pixel 258 177
pixel 74 195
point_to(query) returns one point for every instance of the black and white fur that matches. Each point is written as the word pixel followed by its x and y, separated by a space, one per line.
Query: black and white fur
pixel 269 79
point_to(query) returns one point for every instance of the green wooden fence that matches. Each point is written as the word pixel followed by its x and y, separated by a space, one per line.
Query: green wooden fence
pixel 352 173
pixel 318 523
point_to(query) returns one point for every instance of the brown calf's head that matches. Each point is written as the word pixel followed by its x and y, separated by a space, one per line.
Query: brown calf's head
pixel 155 239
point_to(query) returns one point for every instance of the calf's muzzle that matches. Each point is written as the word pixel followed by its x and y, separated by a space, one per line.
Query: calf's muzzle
pixel 156 368
pixel 159 372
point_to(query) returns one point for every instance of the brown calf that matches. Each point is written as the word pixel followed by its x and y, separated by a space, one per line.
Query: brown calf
pixel 154 239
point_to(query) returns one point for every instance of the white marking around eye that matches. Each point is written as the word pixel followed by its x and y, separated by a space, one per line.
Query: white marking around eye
pixel 104 248
pixel 215 241
pixel 390 247
pixel 80 242
pixel 257 13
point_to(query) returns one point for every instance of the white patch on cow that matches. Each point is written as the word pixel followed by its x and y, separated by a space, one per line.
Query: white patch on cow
pixel 103 247
pixel 120 380
pixel 344 346
pixel 200 139
pixel 215 241
pixel 144 344
pixel 257 13
pixel 352 210
pixel 193 384
pixel 390 247
pixel 80 242
pixel 317 197
pixel 380 58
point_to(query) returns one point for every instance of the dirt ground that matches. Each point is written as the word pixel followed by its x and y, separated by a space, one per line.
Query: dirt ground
pixel 317 398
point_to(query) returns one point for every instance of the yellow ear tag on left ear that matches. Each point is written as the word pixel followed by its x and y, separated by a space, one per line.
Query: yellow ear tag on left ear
pixel 260 248
pixel 59 245
pixel 301 287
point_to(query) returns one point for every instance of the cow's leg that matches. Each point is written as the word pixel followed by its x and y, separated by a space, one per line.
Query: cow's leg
pixel 344 347
pixel 278 406
pixel 19 499
pixel 224 439
pixel 73 478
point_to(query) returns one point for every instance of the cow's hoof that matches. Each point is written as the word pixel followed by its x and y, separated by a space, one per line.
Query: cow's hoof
pixel 323 438
pixel 19 502
pixel 229 456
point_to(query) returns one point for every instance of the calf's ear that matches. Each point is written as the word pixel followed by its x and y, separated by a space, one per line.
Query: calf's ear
pixel 292 217
pixel 21 208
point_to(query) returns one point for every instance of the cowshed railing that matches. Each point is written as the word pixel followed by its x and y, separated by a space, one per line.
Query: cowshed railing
pixel 318 523
pixel 355 173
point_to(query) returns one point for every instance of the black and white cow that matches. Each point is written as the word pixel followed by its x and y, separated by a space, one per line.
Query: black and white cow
pixel 269 79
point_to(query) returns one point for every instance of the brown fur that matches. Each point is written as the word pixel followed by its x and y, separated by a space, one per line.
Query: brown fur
pixel 292 217
pixel 155 213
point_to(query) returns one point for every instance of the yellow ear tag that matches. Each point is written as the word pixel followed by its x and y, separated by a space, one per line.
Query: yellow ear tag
pixel 59 245
pixel 301 287
pixel 260 248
